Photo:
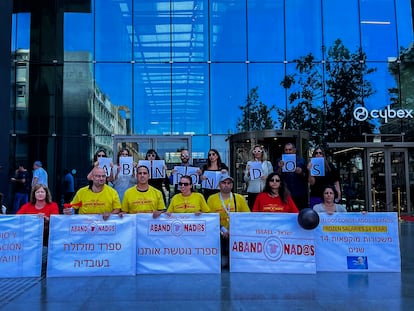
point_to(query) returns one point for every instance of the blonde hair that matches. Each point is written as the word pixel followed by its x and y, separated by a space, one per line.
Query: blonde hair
pixel 264 153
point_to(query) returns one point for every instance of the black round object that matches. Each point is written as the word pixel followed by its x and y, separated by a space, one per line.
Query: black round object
pixel 308 219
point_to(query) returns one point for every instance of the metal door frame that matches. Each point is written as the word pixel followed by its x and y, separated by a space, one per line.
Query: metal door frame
pixel 387 147
pixel 387 176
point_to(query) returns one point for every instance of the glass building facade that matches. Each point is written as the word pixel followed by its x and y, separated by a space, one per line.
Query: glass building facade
pixel 85 71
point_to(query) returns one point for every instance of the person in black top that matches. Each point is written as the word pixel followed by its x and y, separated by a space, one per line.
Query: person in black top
pixel 22 186
pixel 213 164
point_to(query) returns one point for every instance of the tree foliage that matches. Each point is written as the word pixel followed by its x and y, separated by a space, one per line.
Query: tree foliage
pixel 323 95
pixel 255 114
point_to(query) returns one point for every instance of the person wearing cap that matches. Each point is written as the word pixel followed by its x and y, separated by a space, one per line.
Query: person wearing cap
pixel 224 202
pixel 39 174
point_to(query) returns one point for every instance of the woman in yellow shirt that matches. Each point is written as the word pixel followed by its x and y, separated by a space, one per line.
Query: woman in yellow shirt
pixel 188 201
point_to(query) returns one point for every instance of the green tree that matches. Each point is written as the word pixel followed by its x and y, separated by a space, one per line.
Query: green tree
pixel 323 96
pixel 255 114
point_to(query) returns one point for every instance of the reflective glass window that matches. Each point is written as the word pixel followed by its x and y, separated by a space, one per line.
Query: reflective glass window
pixel 190 99
pixel 113 98
pixel 266 31
pixel 303 28
pixel 152 99
pixel 228 92
pixel 228 30
pixel 267 77
pixel 404 22
pixel 113 30
pixel 79 34
pixel 378 29
pixel 20 38
pixel 336 14
pixel 152 31
pixel 189 37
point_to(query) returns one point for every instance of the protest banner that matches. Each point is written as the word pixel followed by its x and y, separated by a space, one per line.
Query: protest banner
pixel 86 245
pixel 178 243
pixel 270 243
pixel 359 242
pixel 21 243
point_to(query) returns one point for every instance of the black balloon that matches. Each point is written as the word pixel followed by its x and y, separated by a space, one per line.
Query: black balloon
pixel 308 219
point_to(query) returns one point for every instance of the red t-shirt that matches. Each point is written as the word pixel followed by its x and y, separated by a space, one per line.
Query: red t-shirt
pixel 265 203
pixel 48 209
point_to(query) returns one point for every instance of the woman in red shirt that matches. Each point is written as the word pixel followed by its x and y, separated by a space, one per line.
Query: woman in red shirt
pixel 275 197
pixel 41 203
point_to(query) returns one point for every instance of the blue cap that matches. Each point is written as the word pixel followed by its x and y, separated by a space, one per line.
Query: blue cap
pixel 224 177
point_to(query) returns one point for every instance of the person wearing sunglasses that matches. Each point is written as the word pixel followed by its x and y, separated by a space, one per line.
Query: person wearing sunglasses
pixel 188 201
pixel 185 157
pixel 98 154
pixel 214 164
pixel 317 183
pixel 256 183
pixel 162 184
pixel 275 197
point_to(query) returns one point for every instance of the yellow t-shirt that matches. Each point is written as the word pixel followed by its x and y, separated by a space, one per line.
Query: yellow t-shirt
pixel 216 206
pixel 136 201
pixel 194 203
pixel 96 202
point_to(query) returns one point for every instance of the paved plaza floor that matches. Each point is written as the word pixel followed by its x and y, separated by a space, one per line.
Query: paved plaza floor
pixel 225 291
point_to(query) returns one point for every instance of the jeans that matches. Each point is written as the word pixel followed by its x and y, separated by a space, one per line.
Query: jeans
pixel 19 200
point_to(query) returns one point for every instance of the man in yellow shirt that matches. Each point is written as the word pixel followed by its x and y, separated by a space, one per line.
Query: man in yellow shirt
pixel 224 203
pixel 98 198
pixel 143 198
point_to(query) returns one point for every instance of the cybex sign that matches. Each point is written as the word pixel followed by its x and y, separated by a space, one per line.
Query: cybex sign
pixel 362 113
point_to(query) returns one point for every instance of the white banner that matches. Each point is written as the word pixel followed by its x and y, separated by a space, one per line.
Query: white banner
pixel 270 243
pixel 21 243
pixel 358 242
pixel 180 243
pixel 86 245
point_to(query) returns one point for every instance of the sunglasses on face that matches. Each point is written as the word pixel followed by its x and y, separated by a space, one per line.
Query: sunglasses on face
pixel 211 154
pixel 151 155
pixel 185 155
pixel 185 184
pixel 275 180
pixel 257 151
pixel 318 152
pixel 101 155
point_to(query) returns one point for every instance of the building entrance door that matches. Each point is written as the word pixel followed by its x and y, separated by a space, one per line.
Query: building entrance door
pixel 388 179
pixel 375 176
